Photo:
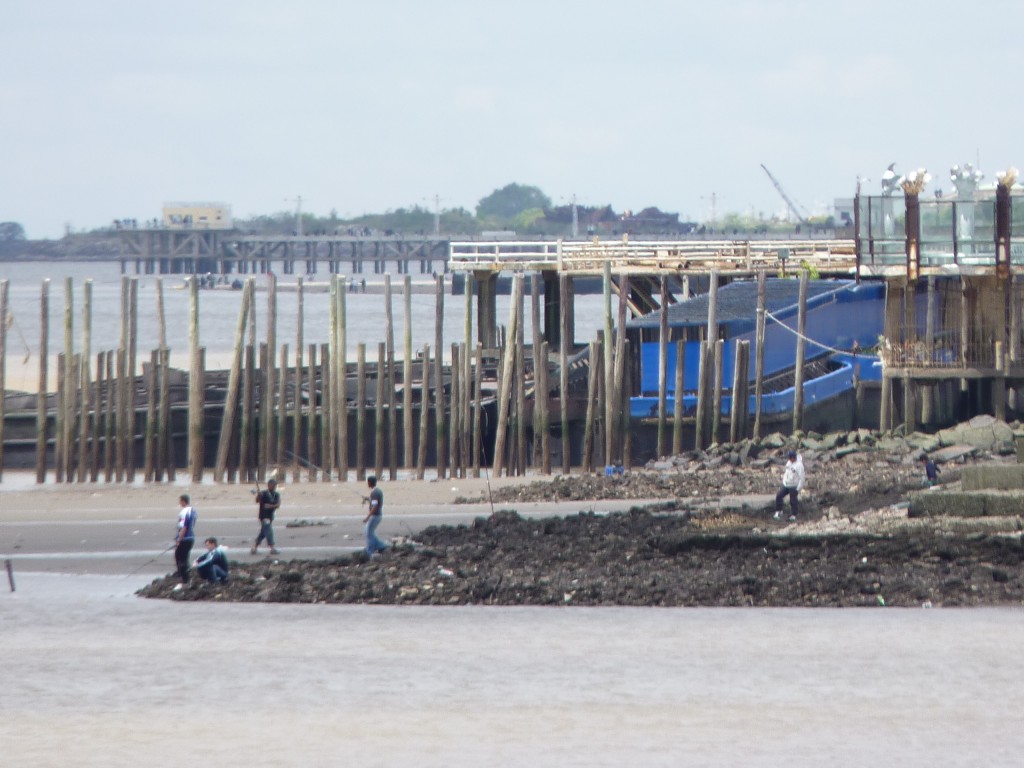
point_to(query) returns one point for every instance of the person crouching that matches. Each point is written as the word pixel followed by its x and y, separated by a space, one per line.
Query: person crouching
pixel 212 565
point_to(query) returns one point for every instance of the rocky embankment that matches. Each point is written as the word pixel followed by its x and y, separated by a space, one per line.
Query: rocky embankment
pixel 708 539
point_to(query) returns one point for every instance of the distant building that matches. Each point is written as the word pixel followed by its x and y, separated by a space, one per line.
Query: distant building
pixel 197 216
pixel 843 207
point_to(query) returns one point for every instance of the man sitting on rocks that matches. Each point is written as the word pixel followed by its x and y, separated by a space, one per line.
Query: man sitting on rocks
pixel 212 565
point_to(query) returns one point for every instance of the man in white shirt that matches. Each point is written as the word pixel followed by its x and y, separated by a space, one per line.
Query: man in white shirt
pixel 792 484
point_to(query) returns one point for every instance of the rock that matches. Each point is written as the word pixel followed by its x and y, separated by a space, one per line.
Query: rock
pixel 923 442
pixel 953 453
pixel 774 440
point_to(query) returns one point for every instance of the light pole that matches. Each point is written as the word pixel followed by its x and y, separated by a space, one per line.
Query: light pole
pixel 298 213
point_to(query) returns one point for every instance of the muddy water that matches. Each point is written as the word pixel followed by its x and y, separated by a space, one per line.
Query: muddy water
pixel 94 677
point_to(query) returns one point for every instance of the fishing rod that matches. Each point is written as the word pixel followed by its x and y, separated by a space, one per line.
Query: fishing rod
pixel 150 562
pixel 311 465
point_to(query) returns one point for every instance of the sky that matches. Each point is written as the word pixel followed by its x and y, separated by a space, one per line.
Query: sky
pixel 108 109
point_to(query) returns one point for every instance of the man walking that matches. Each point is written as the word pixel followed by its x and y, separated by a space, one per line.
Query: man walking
pixel 269 501
pixel 186 536
pixel 792 484
pixel 373 518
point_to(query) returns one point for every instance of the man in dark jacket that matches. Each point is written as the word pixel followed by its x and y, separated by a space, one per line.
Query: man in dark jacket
pixel 269 501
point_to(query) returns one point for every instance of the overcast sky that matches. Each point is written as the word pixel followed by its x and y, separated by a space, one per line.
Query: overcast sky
pixel 110 109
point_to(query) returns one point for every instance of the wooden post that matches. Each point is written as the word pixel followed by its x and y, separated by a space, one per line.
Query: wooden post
pixel 624 411
pixel 454 457
pixel 133 349
pixel 677 403
pixel 327 421
pixel 195 388
pixel 149 443
pixel 735 409
pixel 88 416
pixel 297 403
pixel 197 380
pixel 342 378
pixel 520 385
pixel 885 409
pixel 477 408
pixel 4 294
pixel 407 375
pixel 329 355
pixel 96 421
pixel 108 421
pixel 439 375
pixel 421 458
pixel 361 411
pixel 275 444
pixel 535 354
pixel 58 436
pixel 701 423
pixel 389 382
pixel 928 393
pixel 246 454
pixel 378 424
pixel 64 420
pixel 44 354
pixel 615 422
pixel 600 430
pixel 227 424
pixel 505 385
pixel 467 363
pixel 663 370
pixel 909 405
pixel 609 369
pixel 282 413
pixel 166 460
pixel 587 453
pixel 759 351
pixel 716 397
pixel 565 342
pixel 541 404
pixel 311 412
pixel 801 329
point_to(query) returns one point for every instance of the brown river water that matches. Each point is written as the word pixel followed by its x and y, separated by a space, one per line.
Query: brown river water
pixel 93 676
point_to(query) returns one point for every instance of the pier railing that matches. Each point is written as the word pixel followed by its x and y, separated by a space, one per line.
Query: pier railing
pixel 655 256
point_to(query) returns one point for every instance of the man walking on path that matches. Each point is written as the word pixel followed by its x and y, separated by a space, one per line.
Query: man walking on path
pixel 792 484
pixel 373 518
pixel 269 501
pixel 186 536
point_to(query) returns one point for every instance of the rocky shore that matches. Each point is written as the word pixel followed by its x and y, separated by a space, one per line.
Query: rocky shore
pixel 710 540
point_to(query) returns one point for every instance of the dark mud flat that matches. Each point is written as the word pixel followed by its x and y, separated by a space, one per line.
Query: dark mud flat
pixel 642 559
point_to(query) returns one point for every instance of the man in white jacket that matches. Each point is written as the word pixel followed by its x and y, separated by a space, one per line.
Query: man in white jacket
pixel 792 484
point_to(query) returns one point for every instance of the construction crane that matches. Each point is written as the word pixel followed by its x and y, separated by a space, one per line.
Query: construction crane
pixel 793 207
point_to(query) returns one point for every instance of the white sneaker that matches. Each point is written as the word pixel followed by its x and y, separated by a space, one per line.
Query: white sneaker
pixel 792 518
pixel 777 516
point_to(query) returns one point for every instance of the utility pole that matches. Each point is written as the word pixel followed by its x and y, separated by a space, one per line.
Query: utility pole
pixel 437 215
pixel 575 219
pixel 298 213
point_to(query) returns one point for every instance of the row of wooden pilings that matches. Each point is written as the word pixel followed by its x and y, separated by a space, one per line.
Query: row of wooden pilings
pixel 297 415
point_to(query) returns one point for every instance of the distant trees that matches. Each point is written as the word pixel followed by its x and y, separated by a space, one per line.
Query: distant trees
pixel 11 232
pixel 510 201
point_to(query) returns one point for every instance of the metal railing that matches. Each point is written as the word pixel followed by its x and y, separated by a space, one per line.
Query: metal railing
pixel 650 256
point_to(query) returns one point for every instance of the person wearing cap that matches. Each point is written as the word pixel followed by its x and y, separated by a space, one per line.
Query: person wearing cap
pixel 792 484
pixel 373 517
pixel 269 501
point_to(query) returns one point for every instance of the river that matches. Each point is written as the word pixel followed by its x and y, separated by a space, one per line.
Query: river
pixel 219 314
pixel 95 677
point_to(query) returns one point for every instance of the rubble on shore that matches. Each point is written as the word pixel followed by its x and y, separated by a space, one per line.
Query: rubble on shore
pixel 703 535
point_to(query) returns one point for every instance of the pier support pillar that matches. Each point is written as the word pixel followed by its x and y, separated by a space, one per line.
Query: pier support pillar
pixel 487 308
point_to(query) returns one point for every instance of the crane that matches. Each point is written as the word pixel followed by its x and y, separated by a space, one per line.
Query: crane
pixel 793 206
